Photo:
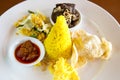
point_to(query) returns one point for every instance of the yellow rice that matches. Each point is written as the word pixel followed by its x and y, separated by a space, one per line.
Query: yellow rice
pixel 58 43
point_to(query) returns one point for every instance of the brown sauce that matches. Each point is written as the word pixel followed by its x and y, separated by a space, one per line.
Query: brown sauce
pixel 27 52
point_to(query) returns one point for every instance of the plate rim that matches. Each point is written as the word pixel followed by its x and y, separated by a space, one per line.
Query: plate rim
pixel 88 1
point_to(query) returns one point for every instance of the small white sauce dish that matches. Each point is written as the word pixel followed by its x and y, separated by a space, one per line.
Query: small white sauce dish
pixel 16 43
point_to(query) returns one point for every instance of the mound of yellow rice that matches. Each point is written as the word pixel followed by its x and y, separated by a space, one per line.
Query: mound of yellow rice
pixel 58 42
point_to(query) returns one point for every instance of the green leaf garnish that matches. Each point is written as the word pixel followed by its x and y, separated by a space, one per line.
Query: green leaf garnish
pixel 19 26
pixel 31 12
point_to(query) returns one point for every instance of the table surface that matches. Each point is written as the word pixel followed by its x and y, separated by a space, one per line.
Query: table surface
pixel 112 6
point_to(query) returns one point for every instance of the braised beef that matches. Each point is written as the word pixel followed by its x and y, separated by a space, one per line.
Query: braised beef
pixel 27 52
pixel 68 10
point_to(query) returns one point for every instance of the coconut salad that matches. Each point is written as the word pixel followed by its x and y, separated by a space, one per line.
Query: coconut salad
pixel 66 51
pixel 34 25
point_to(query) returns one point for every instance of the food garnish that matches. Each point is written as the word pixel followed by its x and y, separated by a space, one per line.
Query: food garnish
pixel 62 70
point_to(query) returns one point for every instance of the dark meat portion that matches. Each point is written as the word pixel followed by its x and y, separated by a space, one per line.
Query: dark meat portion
pixel 32 55
pixel 69 6
pixel 27 51
pixel 68 11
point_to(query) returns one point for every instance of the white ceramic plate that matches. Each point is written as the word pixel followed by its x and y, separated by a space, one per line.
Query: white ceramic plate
pixel 94 20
